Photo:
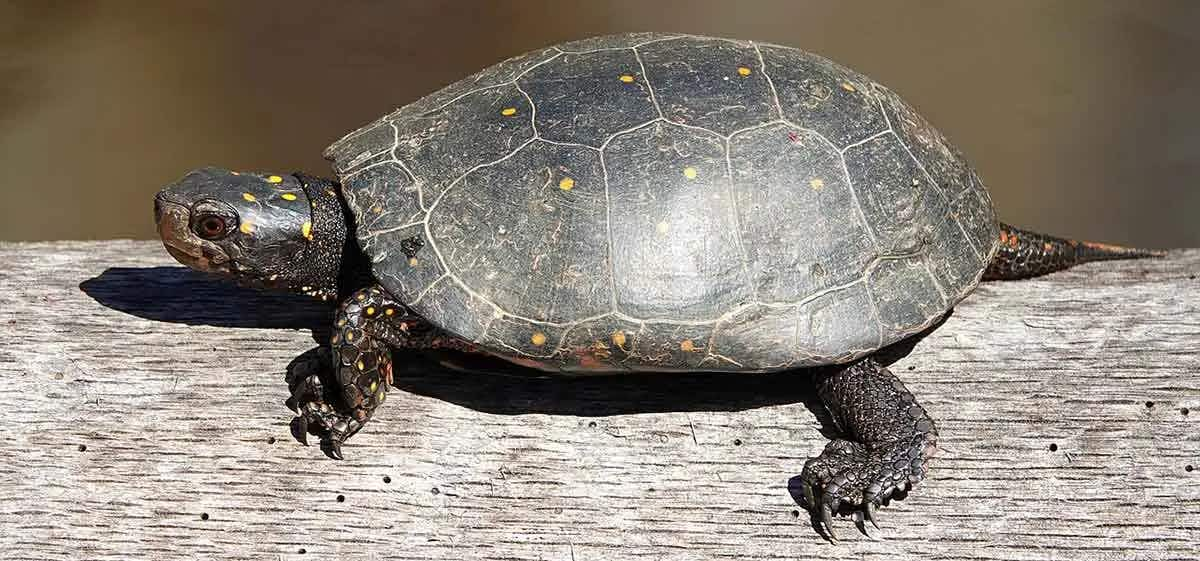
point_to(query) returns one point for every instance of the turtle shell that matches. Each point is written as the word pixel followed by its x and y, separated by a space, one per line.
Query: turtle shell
pixel 665 202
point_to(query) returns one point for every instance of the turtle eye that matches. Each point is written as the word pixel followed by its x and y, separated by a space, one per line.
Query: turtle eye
pixel 211 227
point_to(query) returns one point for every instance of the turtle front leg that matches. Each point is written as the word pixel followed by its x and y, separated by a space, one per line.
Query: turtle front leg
pixel 335 403
pixel 886 439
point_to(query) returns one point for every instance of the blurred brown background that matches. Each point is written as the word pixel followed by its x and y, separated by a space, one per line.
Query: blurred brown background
pixel 1082 116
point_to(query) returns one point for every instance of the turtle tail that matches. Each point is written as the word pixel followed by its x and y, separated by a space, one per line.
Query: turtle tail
pixel 1024 254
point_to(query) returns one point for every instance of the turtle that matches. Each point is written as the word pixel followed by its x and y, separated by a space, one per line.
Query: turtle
pixel 639 202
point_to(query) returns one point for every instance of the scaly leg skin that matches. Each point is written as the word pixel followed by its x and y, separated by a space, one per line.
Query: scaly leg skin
pixel 336 403
pixel 885 440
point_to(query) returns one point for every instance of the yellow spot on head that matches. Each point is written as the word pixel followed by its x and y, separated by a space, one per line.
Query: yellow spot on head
pixel 744 71
pixel 627 78
pixel 306 229
pixel 566 184
pixel 817 184
pixel 274 179
pixel 848 87
pixel 687 346
pixel 288 196
pixel 246 227
pixel 248 197
pixel 689 172
pixel 412 261
pixel 508 111
pixel 618 338
pixel 663 227
pixel 538 338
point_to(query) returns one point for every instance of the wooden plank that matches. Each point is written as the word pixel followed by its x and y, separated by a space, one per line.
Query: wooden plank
pixel 1060 403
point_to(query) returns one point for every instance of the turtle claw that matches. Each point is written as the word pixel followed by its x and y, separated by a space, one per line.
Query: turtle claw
pixel 299 426
pixel 870 514
pixel 332 449
pixel 827 521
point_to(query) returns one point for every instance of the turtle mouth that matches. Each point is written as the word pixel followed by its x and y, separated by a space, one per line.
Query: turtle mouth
pixel 172 220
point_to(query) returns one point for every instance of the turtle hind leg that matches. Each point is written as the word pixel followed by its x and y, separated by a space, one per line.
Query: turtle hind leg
pixel 1024 254
pixel 884 443
pixel 335 402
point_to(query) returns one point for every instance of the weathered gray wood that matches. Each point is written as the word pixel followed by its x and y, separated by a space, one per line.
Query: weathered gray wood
pixel 175 386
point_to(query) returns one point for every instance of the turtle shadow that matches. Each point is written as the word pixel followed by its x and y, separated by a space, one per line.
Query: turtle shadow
pixel 181 295
pixel 495 386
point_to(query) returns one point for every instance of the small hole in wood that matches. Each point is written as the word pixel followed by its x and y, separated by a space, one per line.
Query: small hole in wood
pixel 302 551
pixel 1191 277
pixel 435 491
pixel 83 447
pixel 912 367
pixel 1184 411
pixel 795 514
pixel 1149 404
pixel 591 424
pixel 341 498
pixel 204 516
pixel 271 440
pixel 1188 468
pixel 1053 447
pixel 737 442
pixel 387 479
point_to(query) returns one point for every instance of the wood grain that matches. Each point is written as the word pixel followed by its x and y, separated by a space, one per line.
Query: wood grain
pixel 1060 403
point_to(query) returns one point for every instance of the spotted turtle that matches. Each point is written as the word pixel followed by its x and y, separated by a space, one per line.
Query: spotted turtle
pixel 631 203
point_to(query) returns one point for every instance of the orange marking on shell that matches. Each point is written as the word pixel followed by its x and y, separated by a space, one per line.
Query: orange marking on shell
pixel 1048 246
pixel 1003 236
pixel 687 346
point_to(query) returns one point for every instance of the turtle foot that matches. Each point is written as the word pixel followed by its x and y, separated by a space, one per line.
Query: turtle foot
pixel 318 418
pixel 847 478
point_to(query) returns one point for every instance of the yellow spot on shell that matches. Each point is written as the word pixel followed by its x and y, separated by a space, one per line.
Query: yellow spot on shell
pixel 687 346
pixel 389 312
pixel 618 338
pixel 370 310
pixel 627 78
pixel 662 227
pixel 248 197
pixel 817 184
pixel 288 196
pixel 274 179
pixel 246 227
pixel 381 396
pixel 360 365
pixel 744 70
pixel 508 111
pixel 412 262
pixel 374 386
pixel 349 336
pixel 689 172
pixel 848 87
pixel 538 338
pixel 566 184
pixel 306 229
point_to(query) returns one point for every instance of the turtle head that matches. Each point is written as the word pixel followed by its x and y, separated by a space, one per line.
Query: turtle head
pixel 284 231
